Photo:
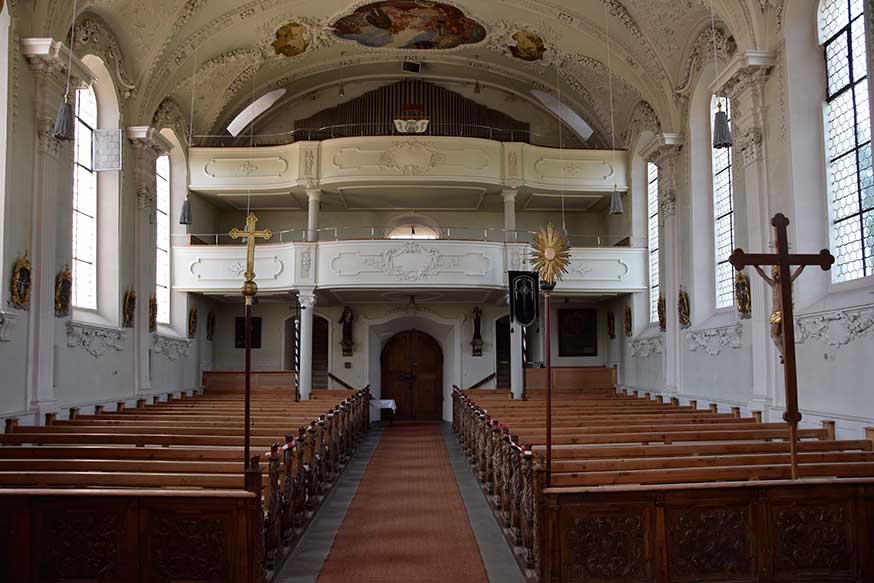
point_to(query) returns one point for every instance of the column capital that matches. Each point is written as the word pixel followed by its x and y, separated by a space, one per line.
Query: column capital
pixel 314 193
pixel 149 139
pixel 307 299
pixel 51 58
pixel 746 72
pixel 749 142
pixel 664 151
pixel 510 194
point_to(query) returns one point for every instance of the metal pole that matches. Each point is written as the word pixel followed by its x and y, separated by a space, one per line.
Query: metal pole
pixel 548 393
pixel 247 430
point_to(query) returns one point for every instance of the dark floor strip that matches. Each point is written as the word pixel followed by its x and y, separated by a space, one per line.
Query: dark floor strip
pixel 305 563
pixel 500 565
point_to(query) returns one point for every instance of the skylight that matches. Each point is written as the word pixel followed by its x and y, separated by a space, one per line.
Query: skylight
pixel 254 110
pixel 567 115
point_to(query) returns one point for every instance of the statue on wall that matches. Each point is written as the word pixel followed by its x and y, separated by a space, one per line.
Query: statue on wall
pixel 22 282
pixel 153 314
pixel 347 343
pixel 63 292
pixel 684 311
pixel 129 309
pixel 742 295
pixel 629 330
pixel 192 323
pixel 477 342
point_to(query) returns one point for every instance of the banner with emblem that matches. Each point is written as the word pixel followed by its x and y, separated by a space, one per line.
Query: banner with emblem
pixel 524 297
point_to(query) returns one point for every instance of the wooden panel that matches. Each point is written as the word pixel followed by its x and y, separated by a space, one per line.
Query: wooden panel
pixel 578 377
pixel 233 380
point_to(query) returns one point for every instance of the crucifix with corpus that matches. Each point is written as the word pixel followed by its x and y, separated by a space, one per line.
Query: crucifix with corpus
pixel 782 319
pixel 249 290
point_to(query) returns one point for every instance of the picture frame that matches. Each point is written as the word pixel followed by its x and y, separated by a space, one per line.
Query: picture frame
pixel 22 283
pixel 577 332
pixel 240 332
pixel 63 292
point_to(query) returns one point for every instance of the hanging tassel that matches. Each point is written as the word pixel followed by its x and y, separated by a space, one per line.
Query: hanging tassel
pixel 616 207
pixel 185 218
pixel 64 129
pixel 721 129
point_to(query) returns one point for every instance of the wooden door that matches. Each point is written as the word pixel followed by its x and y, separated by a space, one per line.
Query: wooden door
pixel 412 375
pixel 502 353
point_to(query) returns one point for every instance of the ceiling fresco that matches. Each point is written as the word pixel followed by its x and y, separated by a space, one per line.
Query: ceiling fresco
pixel 513 47
pixel 409 24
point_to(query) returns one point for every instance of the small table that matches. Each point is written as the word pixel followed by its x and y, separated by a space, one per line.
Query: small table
pixel 381 404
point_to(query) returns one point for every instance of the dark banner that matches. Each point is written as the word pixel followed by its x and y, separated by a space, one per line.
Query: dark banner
pixel 524 297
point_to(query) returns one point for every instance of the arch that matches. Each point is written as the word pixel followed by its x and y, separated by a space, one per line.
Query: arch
pixel 104 307
pixel 413 226
pixel 177 183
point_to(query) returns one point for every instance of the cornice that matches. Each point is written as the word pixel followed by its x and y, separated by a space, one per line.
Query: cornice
pixel 50 56
pixel 744 68
pixel 149 137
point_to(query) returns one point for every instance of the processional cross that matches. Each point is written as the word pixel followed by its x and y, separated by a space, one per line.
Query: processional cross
pixel 782 316
pixel 251 468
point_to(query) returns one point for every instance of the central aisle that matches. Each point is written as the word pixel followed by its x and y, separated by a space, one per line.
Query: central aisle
pixel 407 522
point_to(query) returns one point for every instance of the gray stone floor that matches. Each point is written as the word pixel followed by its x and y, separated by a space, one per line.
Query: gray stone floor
pixel 500 565
pixel 305 563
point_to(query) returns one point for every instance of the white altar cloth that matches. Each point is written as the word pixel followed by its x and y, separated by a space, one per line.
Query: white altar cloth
pixel 384 404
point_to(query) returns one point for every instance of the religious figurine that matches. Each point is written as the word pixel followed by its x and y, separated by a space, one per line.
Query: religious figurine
pixel 210 326
pixel 22 280
pixel 684 310
pixel 153 314
pixel 742 295
pixel 192 323
pixel 477 342
pixel 628 327
pixel 776 319
pixel 661 309
pixel 129 309
pixel 347 343
pixel 63 292
pixel 611 325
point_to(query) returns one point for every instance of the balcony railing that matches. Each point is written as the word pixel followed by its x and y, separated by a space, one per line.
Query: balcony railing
pixel 373 233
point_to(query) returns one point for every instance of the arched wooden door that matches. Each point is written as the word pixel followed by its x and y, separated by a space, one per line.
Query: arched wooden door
pixel 412 375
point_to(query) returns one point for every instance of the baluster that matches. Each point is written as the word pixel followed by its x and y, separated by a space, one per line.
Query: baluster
pixel 527 504
pixel 273 526
pixel 516 492
pixel 288 488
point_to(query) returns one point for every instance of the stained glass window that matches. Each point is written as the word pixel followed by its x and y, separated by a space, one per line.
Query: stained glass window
pixel 848 147
pixel 162 262
pixel 653 213
pixel 723 214
pixel 85 203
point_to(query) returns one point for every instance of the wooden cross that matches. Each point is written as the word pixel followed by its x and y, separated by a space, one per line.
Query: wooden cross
pixel 782 282
pixel 250 234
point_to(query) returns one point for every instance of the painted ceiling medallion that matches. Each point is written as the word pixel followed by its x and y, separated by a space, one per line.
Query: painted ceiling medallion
pixel 529 46
pixel 292 40
pixel 409 24
pixel 551 254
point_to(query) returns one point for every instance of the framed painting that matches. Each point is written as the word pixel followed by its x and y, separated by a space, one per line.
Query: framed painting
pixel 240 333
pixel 577 332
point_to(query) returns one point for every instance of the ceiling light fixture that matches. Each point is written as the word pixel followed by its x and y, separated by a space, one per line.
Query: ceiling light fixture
pixel 64 129
pixel 342 91
pixel 616 198
pixel 721 130
pixel 476 87
pixel 186 217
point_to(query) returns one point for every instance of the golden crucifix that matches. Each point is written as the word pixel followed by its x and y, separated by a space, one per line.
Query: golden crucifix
pixel 249 288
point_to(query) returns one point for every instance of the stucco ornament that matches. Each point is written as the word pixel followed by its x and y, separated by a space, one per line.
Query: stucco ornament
pixel 95 340
pixel 838 328
pixel 713 341
pixel 411 158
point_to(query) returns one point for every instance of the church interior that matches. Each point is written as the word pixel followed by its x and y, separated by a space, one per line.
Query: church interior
pixel 482 291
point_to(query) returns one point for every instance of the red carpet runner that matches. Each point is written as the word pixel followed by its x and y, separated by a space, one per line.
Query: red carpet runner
pixel 407 522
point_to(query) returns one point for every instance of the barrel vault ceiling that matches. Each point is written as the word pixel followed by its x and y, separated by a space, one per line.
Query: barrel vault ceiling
pixel 240 50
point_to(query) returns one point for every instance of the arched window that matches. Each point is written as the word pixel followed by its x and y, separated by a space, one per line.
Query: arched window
pixel 652 195
pixel 85 203
pixel 723 214
pixel 162 262
pixel 848 142
pixel 412 226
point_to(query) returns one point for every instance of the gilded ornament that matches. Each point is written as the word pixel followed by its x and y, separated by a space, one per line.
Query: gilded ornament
pixel 628 326
pixel 529 46
pixel 129 309
pixel 742 295
pixel 611 325
pixel 22 282
pixel 63 292
pixel 683 309
pixel 210 326
pixel 153 314
pixel 551 255
pixel 292 40
pixel 661 309
pixel 192 323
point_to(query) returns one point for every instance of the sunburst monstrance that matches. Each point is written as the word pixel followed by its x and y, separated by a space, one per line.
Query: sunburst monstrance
pixel 551 255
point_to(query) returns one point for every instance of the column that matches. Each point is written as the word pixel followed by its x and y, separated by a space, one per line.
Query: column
pixel 510 213
pixel 315 196
pixel 148 144
pixel 744 82
pixel 307 301
pixel 666 155
pixel 51 242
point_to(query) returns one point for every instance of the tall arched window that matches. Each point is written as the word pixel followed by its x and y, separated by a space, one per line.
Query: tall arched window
pixel 162 263
pixel 848 130
pixel 723 214
pixel 653 226
pixel 85 203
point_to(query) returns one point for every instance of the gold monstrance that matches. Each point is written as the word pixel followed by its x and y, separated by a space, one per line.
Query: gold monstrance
pixel 249 290
pixel 551 257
